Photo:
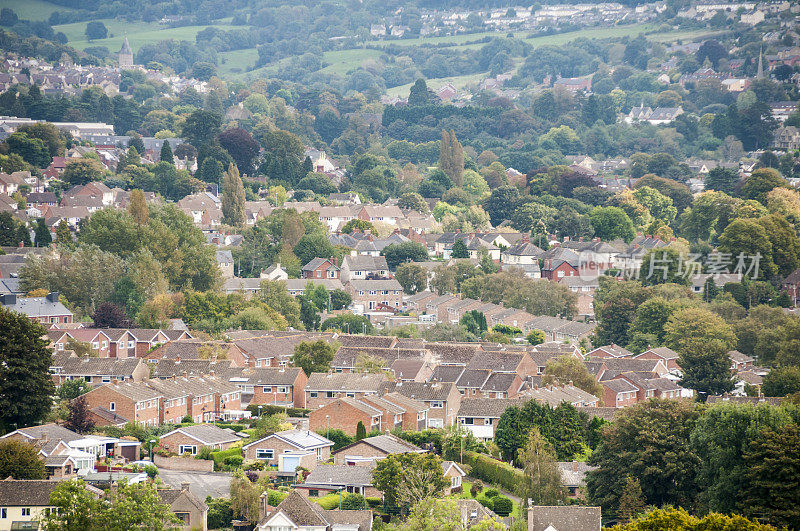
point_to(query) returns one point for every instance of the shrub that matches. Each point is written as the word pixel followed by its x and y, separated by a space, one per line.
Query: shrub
pixel 220 513
pixel 274 497
pixel 234 460
pixel 354 502
pixel 329 502
pixel 254 465
pixel 486 502
pixel 235 427
pixel 476 488
pixel 502 505
pixel 374 502
pixel 151 471
pixel 268 409
pixel 491 493
pixel 493 471
pixel 252 476
pixel 205 453
pixel 187 420
pixel 220 456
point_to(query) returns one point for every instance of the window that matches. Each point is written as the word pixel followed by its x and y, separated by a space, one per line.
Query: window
pixel 106 379
pixel 113 406
pixel 313 394
pixel 469 421
pixel 283 390
pixel 131 344
pixel 350 395
pixel 95 345
pixel 266 389
pixel 183 517
pixel 87 379
pixel 264 453
pixel 311 492
pixel 319 454
pixel 455 481
pixel 437 405
pixel 187 449
pixel 3 513
pixel 26 511
pixel 330 394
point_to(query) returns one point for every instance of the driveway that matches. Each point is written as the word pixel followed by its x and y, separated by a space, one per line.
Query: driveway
pixel 202 484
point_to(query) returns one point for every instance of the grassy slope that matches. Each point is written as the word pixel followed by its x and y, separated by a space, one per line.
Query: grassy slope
pixel 138 33
pixel 32 9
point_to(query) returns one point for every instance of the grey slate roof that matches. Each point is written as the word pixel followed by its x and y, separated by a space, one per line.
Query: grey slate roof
pixel 207 434
pixel 564 518
pixel 26 492
pixel 421 391
pixel 345 382
pixel 488 407
pixel 341 475
pixel 386 443
pixel 446 373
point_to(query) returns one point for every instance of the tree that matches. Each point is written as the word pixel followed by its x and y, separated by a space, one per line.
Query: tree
pixel 542 477
pixel 340 299
pixel 245 499
pixel 761 182
pixel 83 171
pixel 166 153
pixel 72 389
pixel 359 225
pixel 96 30
pixel 568 368
pixel 703 340
pixel 631 502
pixel 413 201
pixel 241 146
pixel 201 127
pixel 451 157
pixel 536 337
pixel 611 223
pixel 233 198
pixel 20 460
pixel 42 234
pixel 680 520
pixel 361 431
pixel 25 381
pixel 110 315
pixel 460 250
pixel 747 238
pixel 407 479
pixel 137 208
pixel 412 277
pixel 79 419
pixel 722 180
pixel 220 514
pixel 315 245
pixel 354 502
pixel 766 495
pixel 397 253
pixel 349 324
pixel 663 266
pixel 781 381
pixel 419 94
pixel 637 445
pixel 501 203
pixel 313 356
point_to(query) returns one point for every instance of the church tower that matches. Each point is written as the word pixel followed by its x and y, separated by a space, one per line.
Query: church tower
pixel 125 54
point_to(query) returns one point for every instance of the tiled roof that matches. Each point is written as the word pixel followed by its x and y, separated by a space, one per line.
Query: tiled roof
pixel 566 517
pixel 473 378
pixel 446 373
pixel 207 434
pixel 366 341
pixel 453 353
pixel 167 368
pixel 488 407
pixel 386 443
pixel 73 366
pixel 26 492
pixel 271 376
pixel 421 391
pixel 500 381
pixel 409 404
pixel 340 475
pixel 496 361
pixel 407 369
pixel 345 382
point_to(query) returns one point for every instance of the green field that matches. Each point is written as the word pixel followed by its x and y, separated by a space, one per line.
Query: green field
pixel 237 62
pixel 32 9
pixel 342 61
pixel 139 33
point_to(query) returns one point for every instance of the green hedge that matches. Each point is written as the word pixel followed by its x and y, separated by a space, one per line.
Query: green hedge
pixel 329 502
pixel 268 409
pixel 220 456
pixel 274 497
pixel 493 471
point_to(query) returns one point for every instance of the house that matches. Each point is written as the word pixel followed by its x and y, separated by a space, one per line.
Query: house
pixel 189 509
pixel 442 399
pixel 411 370
pixel 473 512
pixel 787 138
pixel 740 361
pixel 322 389
pixel 326 479
pixel 665 354
pixel 136 402
pixel 480 415
pixel 65 452
pixel 415 413
pixel 189 439
pixel 619 393
pixel 564 518
pixel 23 502
pixel 372 449
pixel 284 386
pixel 45 310
pixel 225 263
pixel 320 268
pixel 97 371
pixel 274 272
pixel 296 442
pixel 791 285
pixel 344 414
pixel 573 477
pixel 364 267
pixel 522 253
pixel 298 512
pixel 610 351
pixel 376 294
pixel 297 286
pixel 454 474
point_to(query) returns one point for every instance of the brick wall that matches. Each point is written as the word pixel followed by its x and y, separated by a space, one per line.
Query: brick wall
pixel 340 417
pixel 183 463
pixel 360 449
pixel 104 396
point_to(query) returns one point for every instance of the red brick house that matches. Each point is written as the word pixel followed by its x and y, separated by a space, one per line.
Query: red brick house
pixel 97 371
pixel 284 386
pixel 415 413
pixel 371 449
pixel 667 355
pixel 345 414
pixel 376 294
pixel 619 393
pixel 136 402
pixel 320 268
pixel 189 439
pixel 269 448
pixel 322 388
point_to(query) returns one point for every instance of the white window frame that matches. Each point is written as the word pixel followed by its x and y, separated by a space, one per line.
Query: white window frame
pixel 265 454
pixel 183 447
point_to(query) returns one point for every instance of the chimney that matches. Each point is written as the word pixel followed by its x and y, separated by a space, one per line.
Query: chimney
pixel 264 507
pixel 184 487
pixel 52 296
pixel 21 245
pixel 574 466
pixel 9 299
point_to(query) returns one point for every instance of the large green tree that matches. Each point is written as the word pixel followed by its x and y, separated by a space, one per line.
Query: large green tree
pixel 703 340
pixel 413 278
pixel 542 481
pixel 611 223
pixel 26 386
pixel 406 479
pixel 313 356
pixel 233 212
pixel 20 460
pixel 649 442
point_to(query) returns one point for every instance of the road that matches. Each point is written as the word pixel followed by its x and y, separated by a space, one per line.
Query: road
pixel 202 484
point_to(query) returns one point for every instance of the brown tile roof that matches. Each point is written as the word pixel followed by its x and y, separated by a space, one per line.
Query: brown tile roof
pixel 446 373
pixel 496 361
pixel 26 492
pixel 345 382
pixel 566 517
pixel 366 341
pixel 421 391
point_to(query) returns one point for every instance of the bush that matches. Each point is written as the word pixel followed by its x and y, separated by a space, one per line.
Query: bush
pixel 374 502
pixel 205 453
pixel 354 502
pixel 268 409
pixel 339 438
pixel 476 488
pixel 274 497
pixel 234 461
pixel 502 505
pixel 220 513
pixel 187 420
pixel 254 465
pixel 329 502
pixel 235 427
pixel 491 493
pixel 493 471
pixel 485 501
pixel 220 456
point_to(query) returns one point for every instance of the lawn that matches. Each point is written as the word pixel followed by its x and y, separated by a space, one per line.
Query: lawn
pixel 466 495
pixel 342 61
pixel 139 33
pixel 32 9
pixel 457 81
pixel 237 61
